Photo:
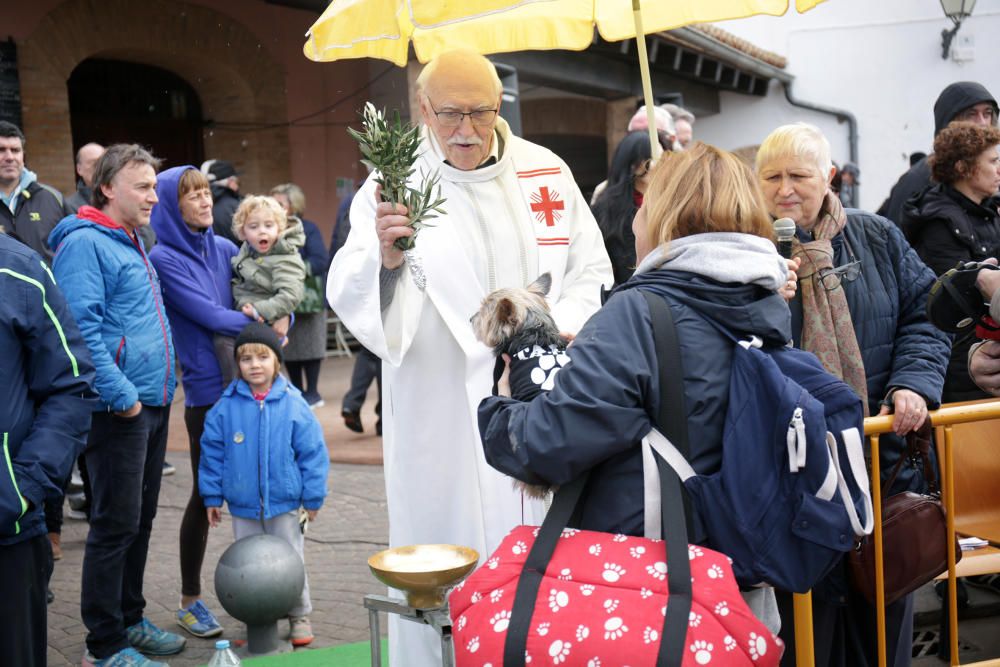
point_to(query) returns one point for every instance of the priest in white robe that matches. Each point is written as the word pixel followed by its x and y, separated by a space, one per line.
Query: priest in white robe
pixel 512 213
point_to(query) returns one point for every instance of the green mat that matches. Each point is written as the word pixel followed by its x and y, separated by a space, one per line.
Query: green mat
pixel 357 654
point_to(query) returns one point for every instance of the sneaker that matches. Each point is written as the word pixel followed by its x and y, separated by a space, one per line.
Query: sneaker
pixel 125 658
pixel 168 468
pixel 198 620
pixel 150 639
pixel 300 630
pixel 314 401
pixel 352 420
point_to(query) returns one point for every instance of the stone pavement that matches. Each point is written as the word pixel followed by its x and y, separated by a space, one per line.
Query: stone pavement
pixel 351 526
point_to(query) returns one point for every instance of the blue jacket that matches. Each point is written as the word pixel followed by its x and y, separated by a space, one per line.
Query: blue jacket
pixel 114 294
pixel 313 251
pixel 262 456
pixel 45 391
pixel 195 276
pixel 607 399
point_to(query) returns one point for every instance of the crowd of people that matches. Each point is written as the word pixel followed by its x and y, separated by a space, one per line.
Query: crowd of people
pixel 142 273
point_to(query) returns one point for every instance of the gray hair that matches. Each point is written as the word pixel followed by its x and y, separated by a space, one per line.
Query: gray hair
pixel 678 113
pixel 116 158
pixel 296 197
pixel 800 140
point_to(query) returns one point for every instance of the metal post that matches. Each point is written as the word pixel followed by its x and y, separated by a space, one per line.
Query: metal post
pixel 375 638
pixel 948 484
pixel 804 649
pixel 879 571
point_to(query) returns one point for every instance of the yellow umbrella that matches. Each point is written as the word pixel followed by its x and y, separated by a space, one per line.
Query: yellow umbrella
pixel 385 28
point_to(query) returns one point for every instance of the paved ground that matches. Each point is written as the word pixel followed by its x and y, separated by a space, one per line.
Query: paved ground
pixel 351 527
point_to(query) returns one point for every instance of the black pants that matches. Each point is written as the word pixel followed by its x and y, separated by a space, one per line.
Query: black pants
pixel 367 367
pixel 125 462
pixel 25 567
pixel 310 368
pixel 194 523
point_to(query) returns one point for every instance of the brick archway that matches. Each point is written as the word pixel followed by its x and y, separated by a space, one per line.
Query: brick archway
pixel 241 88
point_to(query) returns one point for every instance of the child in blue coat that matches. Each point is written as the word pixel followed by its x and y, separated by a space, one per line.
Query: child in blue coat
pixel 263 453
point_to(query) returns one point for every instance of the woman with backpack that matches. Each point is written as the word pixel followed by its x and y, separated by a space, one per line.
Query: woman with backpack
pixel 860 309
pixel 704 244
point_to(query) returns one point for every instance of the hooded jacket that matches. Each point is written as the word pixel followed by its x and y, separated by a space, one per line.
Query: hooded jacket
pixel 38 208
pixel 45 391
pixel 114 294
pixel 607 398
pixel 275 282
pixel 225 202
pixel 945 228
pixel 262 457
pixel 953 100
pixel 195 276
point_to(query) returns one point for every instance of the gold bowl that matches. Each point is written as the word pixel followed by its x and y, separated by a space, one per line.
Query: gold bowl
pixel 424 572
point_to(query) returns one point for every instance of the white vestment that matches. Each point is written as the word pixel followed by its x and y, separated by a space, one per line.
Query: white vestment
pixel 504 225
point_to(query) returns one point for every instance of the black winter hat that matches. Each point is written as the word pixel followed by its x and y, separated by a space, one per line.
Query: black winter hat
pixel 257 332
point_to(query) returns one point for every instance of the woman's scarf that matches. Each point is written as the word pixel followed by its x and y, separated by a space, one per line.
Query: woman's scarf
pixel 827 329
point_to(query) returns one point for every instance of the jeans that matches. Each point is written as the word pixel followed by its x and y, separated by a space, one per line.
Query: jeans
pixel 125 462
pixel 26 567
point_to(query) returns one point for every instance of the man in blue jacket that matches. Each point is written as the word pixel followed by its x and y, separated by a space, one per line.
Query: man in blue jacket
pixel 45 406
pixel 114 293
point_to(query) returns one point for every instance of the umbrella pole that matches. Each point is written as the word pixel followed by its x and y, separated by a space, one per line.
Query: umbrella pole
pixel 647 87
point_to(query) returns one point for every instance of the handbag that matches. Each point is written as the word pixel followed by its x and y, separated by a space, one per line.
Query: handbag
pixel 558 595
pixel 313 299
pixel 908 519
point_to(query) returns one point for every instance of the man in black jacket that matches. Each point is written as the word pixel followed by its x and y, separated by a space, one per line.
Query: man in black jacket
pixel 962 101
pixel 29 209
pixel 225 182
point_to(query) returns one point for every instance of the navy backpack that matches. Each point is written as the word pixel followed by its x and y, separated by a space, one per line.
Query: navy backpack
pixel 786 502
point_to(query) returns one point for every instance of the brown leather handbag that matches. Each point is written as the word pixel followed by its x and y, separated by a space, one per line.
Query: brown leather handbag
pixel 914 532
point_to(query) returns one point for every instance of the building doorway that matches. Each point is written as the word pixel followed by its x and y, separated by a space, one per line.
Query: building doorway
pixel 113 101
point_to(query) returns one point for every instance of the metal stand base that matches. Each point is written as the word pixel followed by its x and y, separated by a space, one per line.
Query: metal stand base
pixel 438 619
pixel 263 640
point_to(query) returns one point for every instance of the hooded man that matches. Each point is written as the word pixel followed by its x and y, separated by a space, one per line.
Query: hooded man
pixel 226 196
pixel 962 101
pixel 513 212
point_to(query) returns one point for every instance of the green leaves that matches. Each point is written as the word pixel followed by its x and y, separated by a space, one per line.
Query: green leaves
pixel 390 148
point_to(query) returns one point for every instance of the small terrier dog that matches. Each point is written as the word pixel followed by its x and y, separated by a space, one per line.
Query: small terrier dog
pixel 517 322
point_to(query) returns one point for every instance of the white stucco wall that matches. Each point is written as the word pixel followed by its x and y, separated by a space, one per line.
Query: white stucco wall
pixel 879 59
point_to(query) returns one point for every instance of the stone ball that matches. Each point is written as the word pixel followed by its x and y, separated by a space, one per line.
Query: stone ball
pixel 259 578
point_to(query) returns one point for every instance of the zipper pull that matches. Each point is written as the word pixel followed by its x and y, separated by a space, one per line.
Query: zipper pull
pixel 795 440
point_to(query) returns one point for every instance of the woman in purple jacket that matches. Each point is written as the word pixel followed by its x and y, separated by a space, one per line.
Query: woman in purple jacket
pixel 195 273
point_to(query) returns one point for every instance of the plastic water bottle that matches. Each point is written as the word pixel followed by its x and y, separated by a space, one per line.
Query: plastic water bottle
pixel 224 656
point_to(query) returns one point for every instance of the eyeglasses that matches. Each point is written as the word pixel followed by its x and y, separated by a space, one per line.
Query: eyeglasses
pixel 833 278
pixel 480 117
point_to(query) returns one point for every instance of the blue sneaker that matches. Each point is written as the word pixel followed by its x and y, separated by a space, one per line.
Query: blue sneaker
pixel 125 658
pixel 146 637
pixel 198 620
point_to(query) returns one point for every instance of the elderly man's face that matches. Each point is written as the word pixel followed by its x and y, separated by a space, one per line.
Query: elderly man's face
pixel 685 133
pixel 87 160
pixel 11 161
pixel 467 143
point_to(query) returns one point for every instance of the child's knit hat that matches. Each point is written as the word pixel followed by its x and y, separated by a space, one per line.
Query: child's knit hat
pixel 257 332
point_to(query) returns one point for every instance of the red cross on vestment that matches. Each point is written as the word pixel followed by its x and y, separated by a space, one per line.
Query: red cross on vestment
pixel 546 207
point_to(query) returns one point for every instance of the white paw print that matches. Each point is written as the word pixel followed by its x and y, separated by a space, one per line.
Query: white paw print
pixel 657 570
pixel 694 620
pixel 722 609
pixel 702 651
pixel 586 590
pixel 757 645
pixel 565 574
pixel 558 599
pixel 519 548
pixel 594 662
pixel 694 552
pixel 595 550
pixel 612 572
pixel 500 621
pixel 569 532
pixel 542 629
pixel 462 620
pixel 559 651
pixel 527 658
pixel 473 645
pixel 650 635
pixel 492 563
pixel 611 605
pixel 549 365
pixel 534 533
pixel 614 628
pixel 619 538
pixel 663 611
pixel 459 587
pixel 582 632
pixel 476 597
pixel 730 643
pixel 645 593
pixel 637 552
pixel 495 595
pixel 715 572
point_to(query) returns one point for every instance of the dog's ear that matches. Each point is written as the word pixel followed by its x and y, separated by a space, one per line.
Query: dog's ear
pixel 542 284
pixel 506 313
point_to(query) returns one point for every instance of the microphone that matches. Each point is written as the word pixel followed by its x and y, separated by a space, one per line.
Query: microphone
pixel 784 232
